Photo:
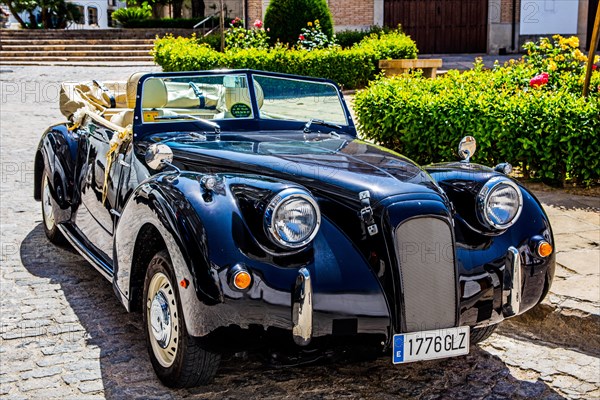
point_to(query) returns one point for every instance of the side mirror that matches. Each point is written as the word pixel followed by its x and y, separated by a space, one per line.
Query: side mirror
pixel 158 155
pixel 467 147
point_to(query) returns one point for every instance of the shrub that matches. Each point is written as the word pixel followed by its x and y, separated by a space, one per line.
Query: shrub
pixel 213 41
pixel 286 18
pixel 238 37
pixel 350 68
pixel 132 15
pixel 389 46
pixel 312 37
pixel 550 131
pixel 349 38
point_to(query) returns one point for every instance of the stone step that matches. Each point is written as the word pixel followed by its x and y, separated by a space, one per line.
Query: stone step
pixel 78 47
pixel 111 63
pixel 93 33
pixel 20 60
pixel 56 42
pixel 74 53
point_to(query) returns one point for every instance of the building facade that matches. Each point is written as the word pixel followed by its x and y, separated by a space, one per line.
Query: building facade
pixel 462 26
pixel 94 14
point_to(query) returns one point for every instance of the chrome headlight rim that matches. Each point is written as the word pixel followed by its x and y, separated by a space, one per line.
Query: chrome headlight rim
pixel 280 199
pixel 483 198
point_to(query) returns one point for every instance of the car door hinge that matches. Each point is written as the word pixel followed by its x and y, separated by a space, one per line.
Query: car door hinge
pixel 366 212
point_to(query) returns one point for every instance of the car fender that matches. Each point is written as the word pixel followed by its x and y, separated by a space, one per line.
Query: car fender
pixel 479 247
pixel 57 155
pixel 205 231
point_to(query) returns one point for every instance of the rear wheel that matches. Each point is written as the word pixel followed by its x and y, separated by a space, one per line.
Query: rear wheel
pixel 177 358
pixel 480 334
pixel 50 227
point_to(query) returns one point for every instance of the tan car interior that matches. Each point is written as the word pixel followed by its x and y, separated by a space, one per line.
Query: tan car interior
pixel 115 101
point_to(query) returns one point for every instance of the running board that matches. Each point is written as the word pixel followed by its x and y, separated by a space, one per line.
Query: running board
pixel 96 262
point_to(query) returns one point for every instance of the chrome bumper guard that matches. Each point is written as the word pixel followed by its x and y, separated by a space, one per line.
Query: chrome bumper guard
pixel 513 264
pixel 302 308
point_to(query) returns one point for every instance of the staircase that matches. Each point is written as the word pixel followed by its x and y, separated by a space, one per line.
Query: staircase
pixel 99 47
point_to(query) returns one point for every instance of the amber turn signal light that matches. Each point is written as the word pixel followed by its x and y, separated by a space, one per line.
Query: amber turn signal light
pixel 242 280
pixel 544 249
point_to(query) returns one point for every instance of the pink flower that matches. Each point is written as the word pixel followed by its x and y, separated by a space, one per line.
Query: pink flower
pixel 258 24
pixel 301 37
pixel 539 80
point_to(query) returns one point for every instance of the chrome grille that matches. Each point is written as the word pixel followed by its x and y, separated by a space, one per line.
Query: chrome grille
pixel 426 257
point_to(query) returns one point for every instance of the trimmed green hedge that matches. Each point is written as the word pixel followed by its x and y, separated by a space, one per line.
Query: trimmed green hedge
pixel 349 38
pixel 552 133
pixel 350 68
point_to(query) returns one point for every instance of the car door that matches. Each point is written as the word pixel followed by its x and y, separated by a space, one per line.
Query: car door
pixel 96 217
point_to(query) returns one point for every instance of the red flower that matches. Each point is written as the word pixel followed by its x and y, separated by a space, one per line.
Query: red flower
pixel 539 80
pixel 301 37
pixel 258 24
pixel 594 67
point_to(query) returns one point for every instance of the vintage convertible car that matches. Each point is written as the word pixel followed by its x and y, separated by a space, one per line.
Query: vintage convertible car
pixel 239 211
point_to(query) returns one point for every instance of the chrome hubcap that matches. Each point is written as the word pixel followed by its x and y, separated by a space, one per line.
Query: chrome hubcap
pixel 160 320
pixel 47 206
pixel 161 313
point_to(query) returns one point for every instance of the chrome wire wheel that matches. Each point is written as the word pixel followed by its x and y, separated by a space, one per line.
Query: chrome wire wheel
pixel 47 212
pixel 161 314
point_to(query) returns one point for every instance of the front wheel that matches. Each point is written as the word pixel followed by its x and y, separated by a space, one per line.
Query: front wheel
pixel 177 358
pixel 480 334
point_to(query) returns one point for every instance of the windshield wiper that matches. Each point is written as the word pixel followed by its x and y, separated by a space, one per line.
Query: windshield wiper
pixel 211 124
pixel 319 122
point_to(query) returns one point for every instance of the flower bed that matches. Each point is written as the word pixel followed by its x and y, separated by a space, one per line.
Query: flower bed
pixel 529 112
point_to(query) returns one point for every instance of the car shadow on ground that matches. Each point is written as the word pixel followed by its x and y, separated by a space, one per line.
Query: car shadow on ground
pixel 564 200
pixel 127 373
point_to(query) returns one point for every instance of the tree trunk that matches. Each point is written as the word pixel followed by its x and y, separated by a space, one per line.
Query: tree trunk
pixel 16 14
pixel 45 18
pixel 32 20
pixel 197 8
pixel 177 5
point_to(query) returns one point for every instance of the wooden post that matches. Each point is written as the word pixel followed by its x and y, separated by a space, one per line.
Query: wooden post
pixel 593 45
pixel 222 23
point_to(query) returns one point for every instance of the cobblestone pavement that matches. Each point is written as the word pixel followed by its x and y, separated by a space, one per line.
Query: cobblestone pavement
pixel 63 333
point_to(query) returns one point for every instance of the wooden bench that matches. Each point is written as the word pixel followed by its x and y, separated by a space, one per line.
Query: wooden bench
pixel 396 67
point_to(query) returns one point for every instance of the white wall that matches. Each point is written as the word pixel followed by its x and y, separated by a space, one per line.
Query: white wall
pixel 543 17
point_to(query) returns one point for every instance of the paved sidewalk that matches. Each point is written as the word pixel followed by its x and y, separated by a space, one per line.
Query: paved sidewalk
pixel 464 62
pixel 570 313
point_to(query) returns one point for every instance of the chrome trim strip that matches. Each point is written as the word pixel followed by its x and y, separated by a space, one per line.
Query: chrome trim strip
pixel 513 261
pixel 302 309
pixel 91 258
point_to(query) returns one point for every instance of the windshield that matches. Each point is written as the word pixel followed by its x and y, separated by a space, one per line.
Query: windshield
pixel 300 100
pixel 227 97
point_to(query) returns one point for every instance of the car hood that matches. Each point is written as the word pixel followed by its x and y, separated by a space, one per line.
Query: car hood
pixel 341 165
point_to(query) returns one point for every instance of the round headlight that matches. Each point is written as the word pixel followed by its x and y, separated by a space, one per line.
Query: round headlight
pixel 292 218
pixel 499 203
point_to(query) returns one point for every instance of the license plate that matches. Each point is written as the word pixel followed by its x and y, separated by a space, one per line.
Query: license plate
pixel 429 345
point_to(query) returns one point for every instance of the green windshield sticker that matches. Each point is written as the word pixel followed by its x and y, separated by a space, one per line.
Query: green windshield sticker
pixel 240 110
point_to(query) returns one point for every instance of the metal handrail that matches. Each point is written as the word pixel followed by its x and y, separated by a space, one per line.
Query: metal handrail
pixel 205 20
